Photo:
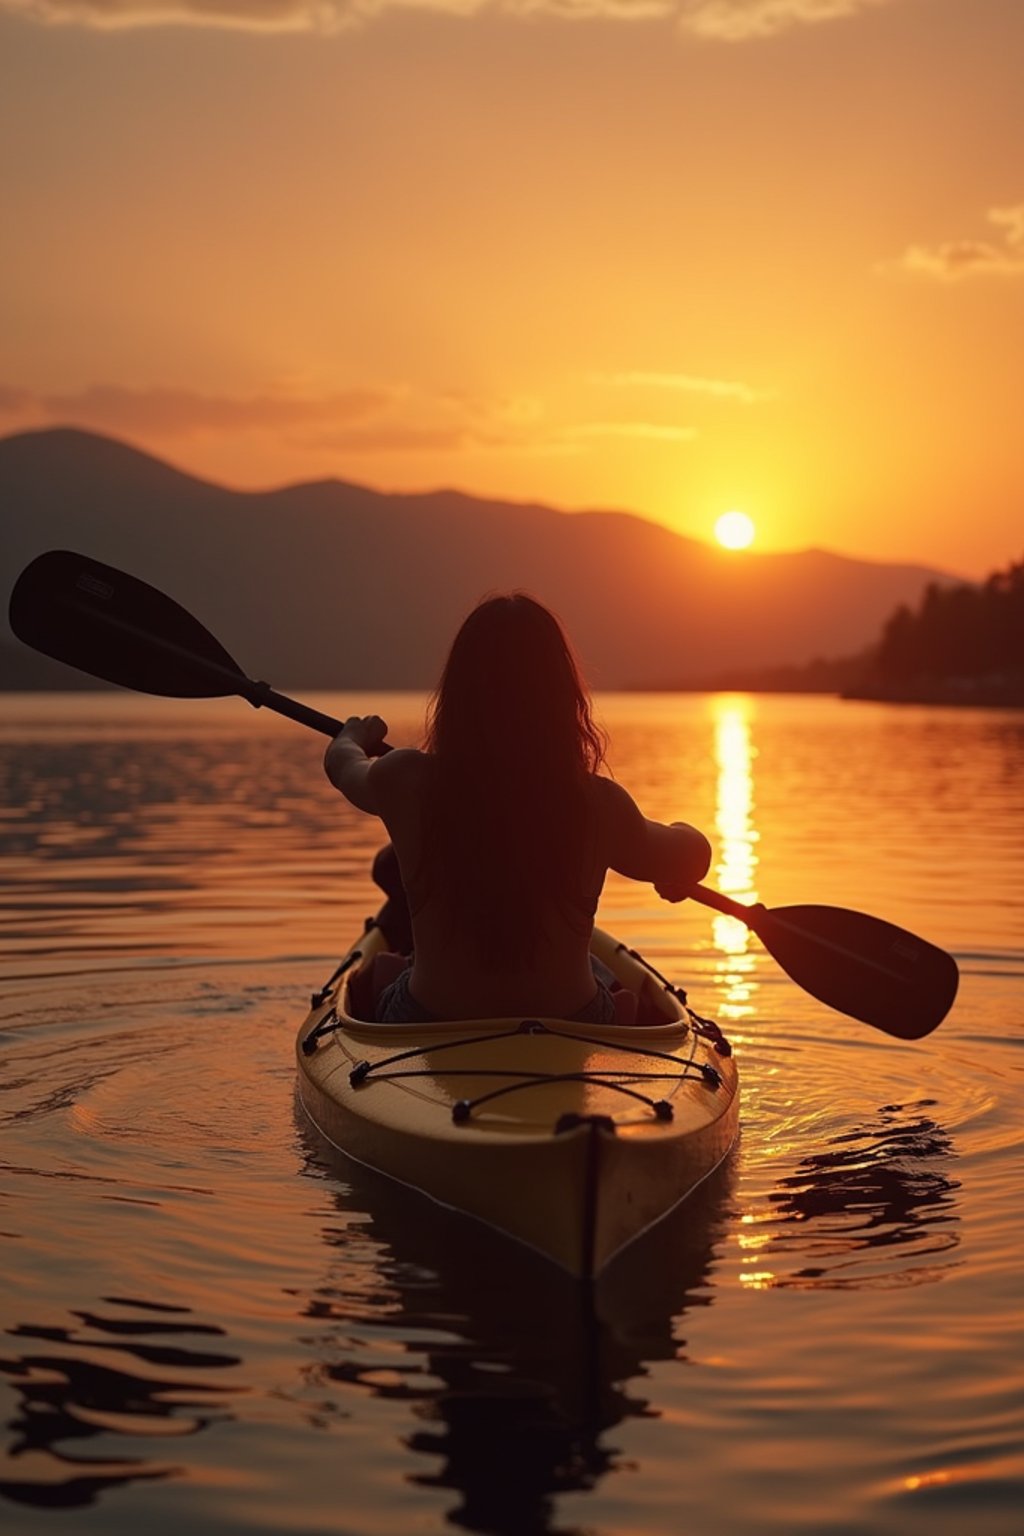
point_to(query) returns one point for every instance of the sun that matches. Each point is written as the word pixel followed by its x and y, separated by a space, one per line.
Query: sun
pixel 734 530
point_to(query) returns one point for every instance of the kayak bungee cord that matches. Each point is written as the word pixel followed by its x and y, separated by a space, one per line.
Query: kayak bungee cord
pixel 662 1109
pixel 364 1072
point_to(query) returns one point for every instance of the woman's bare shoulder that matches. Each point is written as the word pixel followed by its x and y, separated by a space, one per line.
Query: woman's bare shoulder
pixel 610 799
pixel 399 781
pixel 617 814
pixel 402 766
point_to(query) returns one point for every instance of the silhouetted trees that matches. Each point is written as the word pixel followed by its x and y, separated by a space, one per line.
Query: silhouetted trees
pixel 962 644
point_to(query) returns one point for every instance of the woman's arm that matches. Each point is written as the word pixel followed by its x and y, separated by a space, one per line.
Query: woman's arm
pixel 348 764
pixel 673 858
pixel 387 785
pixel 683 855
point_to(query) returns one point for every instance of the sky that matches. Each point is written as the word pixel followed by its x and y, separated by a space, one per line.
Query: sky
pixel 674 257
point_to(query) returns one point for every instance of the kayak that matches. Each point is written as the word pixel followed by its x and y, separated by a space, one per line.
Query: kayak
pixel 574 1139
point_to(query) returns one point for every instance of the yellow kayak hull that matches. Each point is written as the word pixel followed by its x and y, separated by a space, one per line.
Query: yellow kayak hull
pixel 572 1138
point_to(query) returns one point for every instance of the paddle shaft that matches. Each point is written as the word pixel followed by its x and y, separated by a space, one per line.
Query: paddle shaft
pixel 709 898
pixel 263 695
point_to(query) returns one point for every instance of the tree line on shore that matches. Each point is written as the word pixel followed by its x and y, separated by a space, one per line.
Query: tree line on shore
pixel 960 644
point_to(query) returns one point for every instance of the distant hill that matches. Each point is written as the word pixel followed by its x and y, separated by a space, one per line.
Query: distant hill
pixel 332 585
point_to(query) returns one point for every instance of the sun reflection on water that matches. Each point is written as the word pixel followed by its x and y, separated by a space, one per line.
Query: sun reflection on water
pixel 737 839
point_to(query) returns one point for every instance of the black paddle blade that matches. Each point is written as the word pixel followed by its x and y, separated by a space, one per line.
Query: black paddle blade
pixel 862 966
pixel 118 628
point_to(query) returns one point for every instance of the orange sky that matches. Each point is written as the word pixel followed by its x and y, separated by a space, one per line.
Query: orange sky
pixel 673 256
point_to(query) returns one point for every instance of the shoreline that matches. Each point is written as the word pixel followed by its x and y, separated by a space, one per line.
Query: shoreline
pixel 962 694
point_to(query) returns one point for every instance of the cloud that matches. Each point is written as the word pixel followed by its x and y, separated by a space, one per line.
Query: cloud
pixel 737 21
pixel 165 411
pixel 718 389
pixel 953 260
pixel 245 15
pixel 391 437
pixel 1012 220
pixel 388 419
pixel 650 431
pixel 385 419
pixel 716 20
pixel 15 402
pixel 456 422
pixel 961 258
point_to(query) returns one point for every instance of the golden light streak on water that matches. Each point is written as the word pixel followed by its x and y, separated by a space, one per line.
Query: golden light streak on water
pixel 757 1279
pixel 748 1240
pixel 736 841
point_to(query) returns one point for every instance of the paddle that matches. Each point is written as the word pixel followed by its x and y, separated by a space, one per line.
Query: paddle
pixel 122 630
pixel 859 965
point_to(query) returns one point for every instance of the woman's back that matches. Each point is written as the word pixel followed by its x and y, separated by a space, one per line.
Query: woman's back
pixel 503 826
pixel 525 951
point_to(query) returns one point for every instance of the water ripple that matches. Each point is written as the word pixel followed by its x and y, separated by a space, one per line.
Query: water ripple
pixel 199 1296
pixel 85 1387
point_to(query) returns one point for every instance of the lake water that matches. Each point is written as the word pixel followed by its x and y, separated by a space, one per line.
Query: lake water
pixel 209 1323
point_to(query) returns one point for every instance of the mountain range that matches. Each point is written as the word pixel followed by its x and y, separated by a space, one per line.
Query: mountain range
pixel 334 585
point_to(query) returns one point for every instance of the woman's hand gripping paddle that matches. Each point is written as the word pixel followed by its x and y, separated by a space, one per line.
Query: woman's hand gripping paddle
pixel 124 631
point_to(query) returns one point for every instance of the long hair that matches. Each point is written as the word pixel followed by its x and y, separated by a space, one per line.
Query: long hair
pixel 514 742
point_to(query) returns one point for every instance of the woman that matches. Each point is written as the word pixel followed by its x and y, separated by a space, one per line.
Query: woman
pixel 504 828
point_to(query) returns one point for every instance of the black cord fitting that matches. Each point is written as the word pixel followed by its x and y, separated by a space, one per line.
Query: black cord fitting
pixel 360 1072
pixel 711 1075
pixel 663 1110
pixel 461 1111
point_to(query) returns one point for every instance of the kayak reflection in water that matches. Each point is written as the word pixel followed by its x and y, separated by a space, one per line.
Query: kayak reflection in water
pixel 504 828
